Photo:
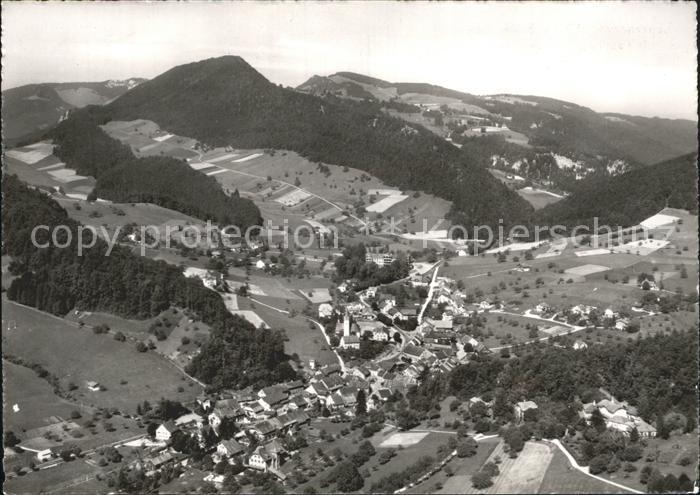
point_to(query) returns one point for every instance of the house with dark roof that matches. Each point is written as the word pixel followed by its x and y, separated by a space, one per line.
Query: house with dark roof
pixel 229 449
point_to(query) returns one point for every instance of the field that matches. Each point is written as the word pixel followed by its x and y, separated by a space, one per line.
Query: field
pixel 77 355
pixel 462 468
pixel 306 342
pixel 286 187
pixel 62 476
pixel 538 198
pixel 560 477
pixel 34 398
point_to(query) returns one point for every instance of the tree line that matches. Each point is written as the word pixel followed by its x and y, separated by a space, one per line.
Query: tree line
pixel 58 280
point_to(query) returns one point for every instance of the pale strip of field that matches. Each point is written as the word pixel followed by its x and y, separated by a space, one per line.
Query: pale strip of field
pixel 66 175
pixel 429 235
pixel 516 246
pixel 200 165
pixel 31 157
pixel 252 317
pixel 77 196
pixel 51 167
pixel 165 137
pixel 592 252
pixel 384 204
pixel 192 271
pixel 39 145
pixel 584 270
pixel 643 248
pixel 223 157
pixel 220 171
pixel 405 439
pixel 293 198
pixel 383 192
pixel 658 220
pixel 148 147
pixel 249 157
pixel 531 190
pixel 548 254
pixel 231 301
pixel 555 330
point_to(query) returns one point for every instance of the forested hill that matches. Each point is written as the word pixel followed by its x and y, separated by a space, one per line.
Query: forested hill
pixel 629 198
pixel 224 101
pixel 57 280
pixel 164 181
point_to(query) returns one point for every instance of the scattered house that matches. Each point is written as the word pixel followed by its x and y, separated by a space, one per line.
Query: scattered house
pixel 264 430
pixel 266 456
pixel 406 313
pixel 229 449
pixel 189 420
pixel 332 383
pixel 371 292
pixel 254 411
pixel 350 342
pixel 271 398
pixel 335 401
pixel 486 305
pixel 580 345
pixel 165 431
pixel 608 314
pixel 413 352
pixel 622 323
pixel 325 310
pixel 93 386
pixel 331 369
pixel 204 402
pixel 293 386
pixel 260 264
pixel 543 308
pixel 317 389
pixel 521 407
pixel 436 339
pixel 228 408
pixel 440 324
pixel 582 309
pixel 379 259
pixel 160 460
pixel 44 455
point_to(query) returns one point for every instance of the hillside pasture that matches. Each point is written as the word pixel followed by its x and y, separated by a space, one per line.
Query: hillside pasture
pixel 561 477
pixel 77 355
pixel 33 397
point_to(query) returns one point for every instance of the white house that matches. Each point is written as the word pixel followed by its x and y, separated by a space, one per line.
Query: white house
pixel 165 431
pixel 325 310
pixel 93 386
pixel 579 345
pixel 260 264
pixel 521 407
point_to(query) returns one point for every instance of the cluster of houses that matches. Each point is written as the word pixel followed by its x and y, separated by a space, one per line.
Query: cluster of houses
pixel 619 416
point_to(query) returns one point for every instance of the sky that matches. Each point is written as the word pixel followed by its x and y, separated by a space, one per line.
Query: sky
pixel 627 57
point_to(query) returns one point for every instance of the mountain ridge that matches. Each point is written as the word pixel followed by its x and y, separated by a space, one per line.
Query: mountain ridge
pixel 547 122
